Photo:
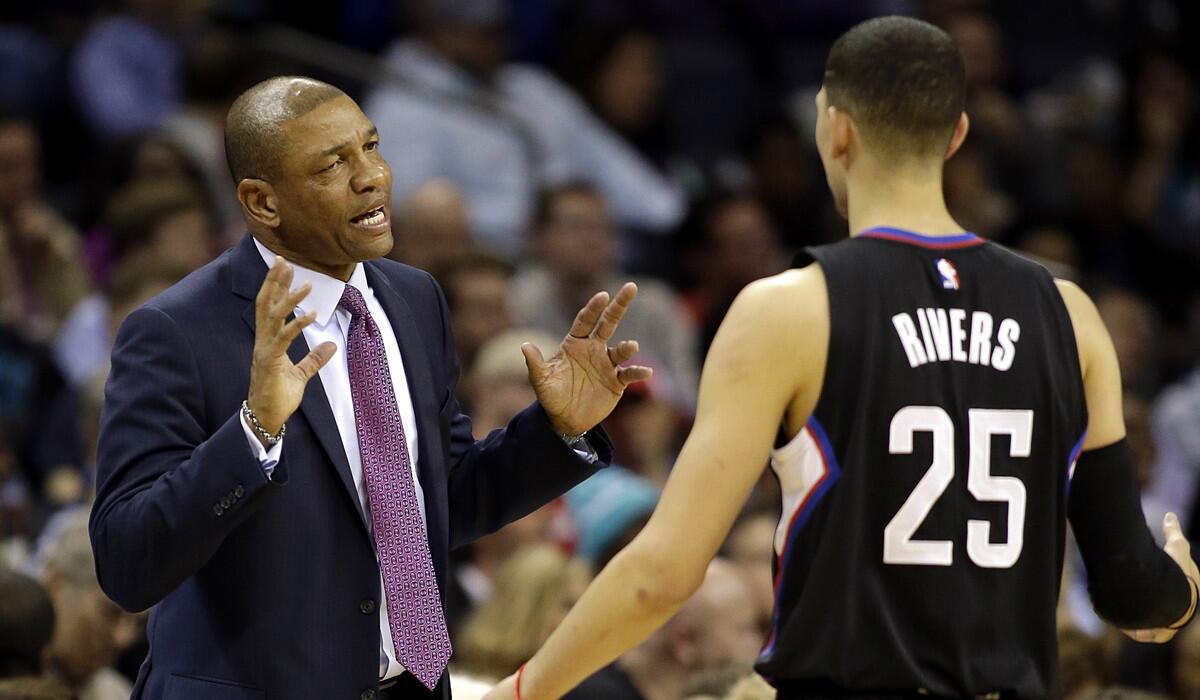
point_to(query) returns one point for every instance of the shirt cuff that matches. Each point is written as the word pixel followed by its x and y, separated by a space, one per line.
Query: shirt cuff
pixel 579 446
pixel 267 458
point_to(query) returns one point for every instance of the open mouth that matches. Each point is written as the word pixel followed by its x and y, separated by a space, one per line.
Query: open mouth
pixel 373 217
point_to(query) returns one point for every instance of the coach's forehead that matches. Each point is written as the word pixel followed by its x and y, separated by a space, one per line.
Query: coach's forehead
pixel 283 99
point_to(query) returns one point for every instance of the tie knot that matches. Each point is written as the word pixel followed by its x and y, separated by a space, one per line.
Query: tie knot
pixel 352 301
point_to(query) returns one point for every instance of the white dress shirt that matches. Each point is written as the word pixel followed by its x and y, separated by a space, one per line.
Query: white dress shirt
pixel 333 324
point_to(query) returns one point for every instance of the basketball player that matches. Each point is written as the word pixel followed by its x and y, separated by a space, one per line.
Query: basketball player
pixel 947 407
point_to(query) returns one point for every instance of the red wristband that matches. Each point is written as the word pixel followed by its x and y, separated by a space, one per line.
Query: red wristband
pixel 517 687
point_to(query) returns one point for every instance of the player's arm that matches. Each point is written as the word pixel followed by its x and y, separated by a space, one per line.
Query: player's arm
pixel 775 333
pixel 1133 583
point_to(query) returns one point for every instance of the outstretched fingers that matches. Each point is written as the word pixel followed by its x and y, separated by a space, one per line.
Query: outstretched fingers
pixel 614 311
pixel 623 351
pixel 634 373
pixel 586 319
pixel 534 361
pixel 316 359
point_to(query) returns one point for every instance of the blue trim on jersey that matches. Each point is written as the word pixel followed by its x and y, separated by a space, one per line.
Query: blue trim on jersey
pixel 887 233
pixel 815 495
pixel 1074 457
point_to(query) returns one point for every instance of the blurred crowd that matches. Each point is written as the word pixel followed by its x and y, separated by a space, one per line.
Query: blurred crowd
pixel 542 150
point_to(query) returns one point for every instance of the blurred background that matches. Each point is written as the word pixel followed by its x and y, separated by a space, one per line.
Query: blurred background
pixel 543 149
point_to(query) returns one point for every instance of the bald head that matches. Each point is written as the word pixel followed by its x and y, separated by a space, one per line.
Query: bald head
pixel 254 127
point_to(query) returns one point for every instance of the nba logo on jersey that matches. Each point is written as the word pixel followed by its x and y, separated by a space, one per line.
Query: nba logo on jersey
pixel 948 272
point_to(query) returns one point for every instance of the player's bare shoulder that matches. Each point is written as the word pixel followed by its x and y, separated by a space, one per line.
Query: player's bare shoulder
pixel 790 307
pixel 788 314
pixel 1085 319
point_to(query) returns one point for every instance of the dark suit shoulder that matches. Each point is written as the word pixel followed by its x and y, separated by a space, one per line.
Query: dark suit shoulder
pixel 406 278
pixel 197 293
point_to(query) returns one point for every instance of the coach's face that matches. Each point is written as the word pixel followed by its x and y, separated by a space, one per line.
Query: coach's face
pixel 333 189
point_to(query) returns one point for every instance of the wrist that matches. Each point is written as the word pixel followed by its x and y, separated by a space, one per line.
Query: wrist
pixel 569 433
pixel 269 433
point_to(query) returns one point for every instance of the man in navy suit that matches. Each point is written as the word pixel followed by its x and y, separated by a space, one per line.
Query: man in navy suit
pixel 313 565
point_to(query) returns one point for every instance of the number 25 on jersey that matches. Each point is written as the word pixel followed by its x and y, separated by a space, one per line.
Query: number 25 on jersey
pixel 899 547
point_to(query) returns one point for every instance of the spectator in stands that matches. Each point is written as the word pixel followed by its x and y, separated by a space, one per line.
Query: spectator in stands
pixel 533 591
pixel 619 72
pixel 217 67
pixel 786 174
pixel 26 624
pixel 431 227
pixel 1164 179
pixel 125 74
pixel 1135 331
pixel 41 277
pixel 648 426
pixel 733 243
pixel 161 229
pixel 1054 247
pixel 608 510
pixel 478 292
pixel 451 105
pixel 497 380
pixel 1175 414
pixel 1186 676
pixel 751 548
pixel 575 244
pixel 89 626
pixel 1080 664
pixel 496 386
pixel 713 628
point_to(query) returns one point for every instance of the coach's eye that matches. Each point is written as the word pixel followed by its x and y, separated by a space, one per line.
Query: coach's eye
pixel 331 166
pixel 371 146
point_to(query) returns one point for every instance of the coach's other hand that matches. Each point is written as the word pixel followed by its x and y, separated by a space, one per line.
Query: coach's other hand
pixel 1177 548
pixel 579 385
pixel 276 384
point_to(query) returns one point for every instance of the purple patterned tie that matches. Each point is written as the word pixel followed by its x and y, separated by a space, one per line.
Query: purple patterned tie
pixel 414 608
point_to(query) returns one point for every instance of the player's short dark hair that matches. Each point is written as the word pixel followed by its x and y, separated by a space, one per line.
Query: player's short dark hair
pixel 254 127
pixel 902 81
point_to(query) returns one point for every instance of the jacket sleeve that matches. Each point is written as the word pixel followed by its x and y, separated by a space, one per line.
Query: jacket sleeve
pixel 511 472
pixel 169 491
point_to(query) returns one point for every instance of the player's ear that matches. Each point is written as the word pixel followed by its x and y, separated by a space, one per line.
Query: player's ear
pixel 960 134
pixel 841 129
pixel 259 201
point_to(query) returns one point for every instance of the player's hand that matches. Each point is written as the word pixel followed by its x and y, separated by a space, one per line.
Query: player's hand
pixel 504 690
pixel 1177 548
pixel 276 383
pixel 581 383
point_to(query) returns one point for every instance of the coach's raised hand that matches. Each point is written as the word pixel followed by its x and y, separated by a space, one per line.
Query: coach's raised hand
pixel 579 385
pixel 276 383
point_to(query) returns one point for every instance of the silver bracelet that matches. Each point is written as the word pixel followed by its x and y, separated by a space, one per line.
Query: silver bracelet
pixel 252 419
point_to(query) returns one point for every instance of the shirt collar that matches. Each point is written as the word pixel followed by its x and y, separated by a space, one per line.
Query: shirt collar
pixel 326 291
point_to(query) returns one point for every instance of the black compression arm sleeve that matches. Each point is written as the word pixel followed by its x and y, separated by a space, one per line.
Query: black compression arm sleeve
pixel 1133 583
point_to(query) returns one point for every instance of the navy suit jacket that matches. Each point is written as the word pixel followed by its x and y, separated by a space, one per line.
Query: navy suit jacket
pixel 269 588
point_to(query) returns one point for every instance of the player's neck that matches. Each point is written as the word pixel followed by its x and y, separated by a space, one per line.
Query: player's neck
pixel 909 199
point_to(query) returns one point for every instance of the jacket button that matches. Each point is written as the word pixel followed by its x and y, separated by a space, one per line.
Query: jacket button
pixel 368 694
pixel 239 491
pixel 219 509
pixel 367 606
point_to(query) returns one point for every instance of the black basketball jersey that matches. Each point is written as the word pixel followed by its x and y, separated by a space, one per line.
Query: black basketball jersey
pixel 924 503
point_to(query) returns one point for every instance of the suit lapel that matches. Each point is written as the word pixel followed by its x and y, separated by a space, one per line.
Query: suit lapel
pixel 249 271
pixel 315 407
